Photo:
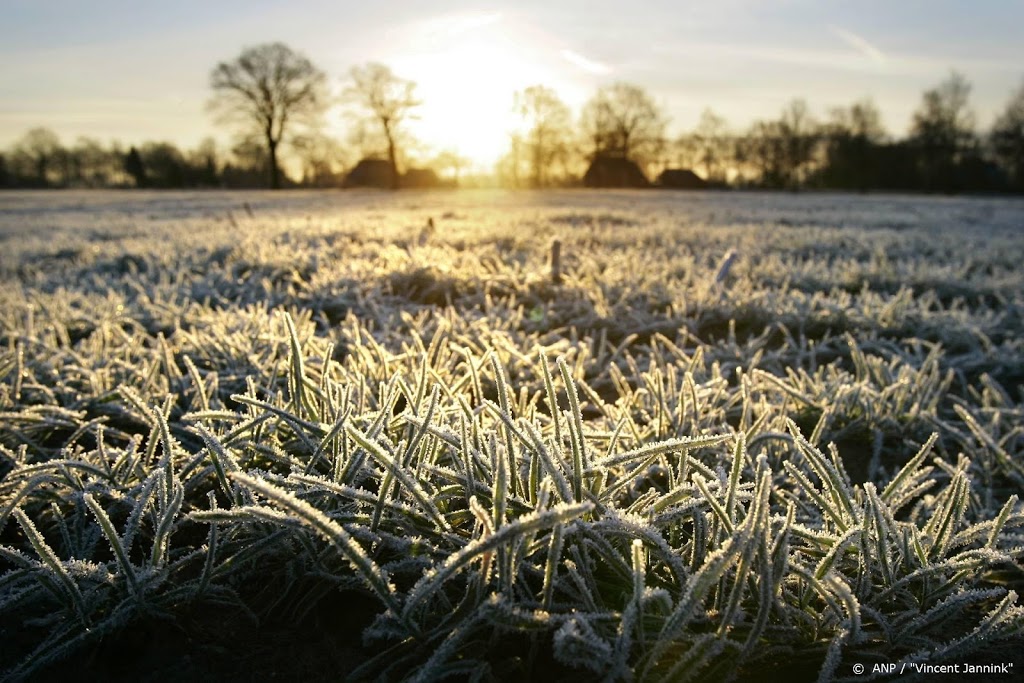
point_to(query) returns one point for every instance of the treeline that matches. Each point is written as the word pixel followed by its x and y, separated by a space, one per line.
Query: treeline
pixel 945 151
pixel 850 149
pixel 274 99
pixel 40 160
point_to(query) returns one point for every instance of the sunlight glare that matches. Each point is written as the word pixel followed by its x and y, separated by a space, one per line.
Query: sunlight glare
pixel 466 69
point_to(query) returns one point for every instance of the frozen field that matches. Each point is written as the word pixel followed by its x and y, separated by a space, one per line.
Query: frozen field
pixel 138 208
pixel 305 435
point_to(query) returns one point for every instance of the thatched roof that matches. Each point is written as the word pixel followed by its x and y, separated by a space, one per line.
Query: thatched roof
pixel 370 173
pixel 379 173
pixel 681 179
pixel 606 171
pixel 421 178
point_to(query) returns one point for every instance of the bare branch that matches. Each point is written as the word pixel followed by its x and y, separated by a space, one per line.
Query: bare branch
pixel 264 90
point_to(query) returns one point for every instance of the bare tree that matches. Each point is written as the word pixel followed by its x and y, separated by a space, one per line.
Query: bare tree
pixel 164 164
pixel 1007 137
pixel 945 114
pixel 510 168
pixel 323 158
pixel 621 120
pixel 799 137
pixel 268 88
pixel 92 165
pixel 40 150
pixel 547 134
pixel 762 151
pixel 781 152
pixel 205 162
pixel 943 130
pixel 708 146
pixel 860 120
pixel 388 98
pixel 450 163
pixel 853 135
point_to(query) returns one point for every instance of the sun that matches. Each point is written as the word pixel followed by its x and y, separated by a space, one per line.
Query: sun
pixel 467 69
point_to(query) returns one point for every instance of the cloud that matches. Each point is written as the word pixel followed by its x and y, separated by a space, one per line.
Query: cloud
pixel 859 43
pixel 586 64
pixel 459 24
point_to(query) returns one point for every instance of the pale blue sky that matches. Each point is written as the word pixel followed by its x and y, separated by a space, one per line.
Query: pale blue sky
pixel 137 71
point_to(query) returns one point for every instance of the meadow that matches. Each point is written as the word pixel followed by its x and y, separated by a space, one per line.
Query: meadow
pixel 305 435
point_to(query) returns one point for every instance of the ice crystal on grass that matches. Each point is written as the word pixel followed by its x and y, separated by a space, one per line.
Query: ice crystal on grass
pixel 656 479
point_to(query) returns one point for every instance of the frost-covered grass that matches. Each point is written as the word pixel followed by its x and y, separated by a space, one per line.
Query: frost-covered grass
pixel 247 435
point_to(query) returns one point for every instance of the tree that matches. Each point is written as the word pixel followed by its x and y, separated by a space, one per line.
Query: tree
pixel 799 137
pixel 41 149
pixel 860 120
pixel 621 120
pixel 853 136
pixel 547 131
pixel 266 89
pixel 762 149
pixel 450 164
pixel 135 167
pixel 164 163
pixel 90 164
pixel 781 151
pixel 246 165
pixel 1007 138
pixel 943 131
pixel 203 164
pixel 323 160
pixel 510 168
pixel 389 100
pixel 708 147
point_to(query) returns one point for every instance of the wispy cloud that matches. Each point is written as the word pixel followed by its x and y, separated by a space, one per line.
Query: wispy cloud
pixel 745 55
pixel 468 23
pixel 584 63
pixel 859 43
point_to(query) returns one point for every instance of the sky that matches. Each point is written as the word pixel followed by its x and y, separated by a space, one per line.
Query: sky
pixel 139 71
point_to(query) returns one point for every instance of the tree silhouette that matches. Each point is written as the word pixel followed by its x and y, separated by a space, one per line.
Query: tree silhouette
pixel 89 164
pixel 1007 138
pixel 323 160
pixel 266 89
pixel 164 163
pixel 781 152
pixel 799 137
pixel 203 164
pixel 134 167
pixel 762 150
pixel 943 131
pixel 509 168
pixel 708 147
pixel 389 100
pixel 42 149
pixel 853 137
pixel 450 162
pixel 621 120
pixel 547 135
